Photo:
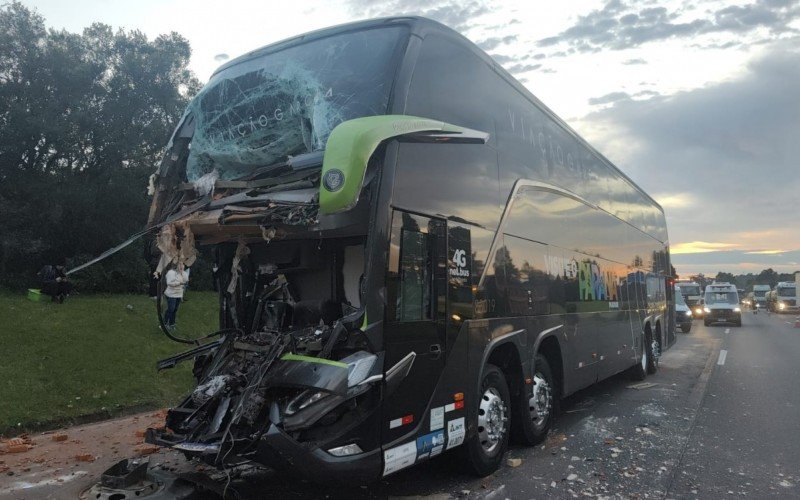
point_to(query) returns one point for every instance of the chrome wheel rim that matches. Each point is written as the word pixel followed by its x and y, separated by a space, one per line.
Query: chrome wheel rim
pixel 541 401
pixel 492 420
pixel 655 350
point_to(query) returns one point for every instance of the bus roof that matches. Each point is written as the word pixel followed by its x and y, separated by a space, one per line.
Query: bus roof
pixel 420 26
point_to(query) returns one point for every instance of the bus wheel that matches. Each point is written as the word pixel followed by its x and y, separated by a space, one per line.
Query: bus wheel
pixel 484 451
pixel 653 351
pixel 534 416
pixel 639 370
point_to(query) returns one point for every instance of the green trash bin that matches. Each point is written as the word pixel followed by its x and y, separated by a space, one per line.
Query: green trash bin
pixel 34 294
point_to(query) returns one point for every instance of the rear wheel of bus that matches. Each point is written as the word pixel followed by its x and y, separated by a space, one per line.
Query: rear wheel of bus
pixel 484 451
pixel 536 414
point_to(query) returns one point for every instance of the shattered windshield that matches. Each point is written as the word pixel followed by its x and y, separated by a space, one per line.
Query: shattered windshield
pixel 283 103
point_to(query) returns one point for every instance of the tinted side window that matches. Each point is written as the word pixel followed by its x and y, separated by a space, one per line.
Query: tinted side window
pixel 410 280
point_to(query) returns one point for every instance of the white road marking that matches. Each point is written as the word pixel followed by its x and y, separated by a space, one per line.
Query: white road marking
pixel 722 355
pixel 727 330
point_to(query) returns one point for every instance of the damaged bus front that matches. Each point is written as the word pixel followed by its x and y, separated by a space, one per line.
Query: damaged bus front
pixel 277 163
pixel 414 255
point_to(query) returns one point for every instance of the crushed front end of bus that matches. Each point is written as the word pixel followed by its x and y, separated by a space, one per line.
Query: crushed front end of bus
pixel 295 376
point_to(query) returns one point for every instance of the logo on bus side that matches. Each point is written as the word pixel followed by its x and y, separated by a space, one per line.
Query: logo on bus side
pixel 333 180
pixel 460 261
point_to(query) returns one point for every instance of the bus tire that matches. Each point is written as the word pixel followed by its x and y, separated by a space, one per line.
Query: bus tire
pixel 530 427
pixel 653 351
pixel 483 452
pixel 639 370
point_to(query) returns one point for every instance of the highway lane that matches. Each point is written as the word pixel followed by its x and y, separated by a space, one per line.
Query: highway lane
pixel 746 437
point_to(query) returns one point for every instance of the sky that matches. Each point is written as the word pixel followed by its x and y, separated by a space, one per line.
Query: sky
pixel 697 101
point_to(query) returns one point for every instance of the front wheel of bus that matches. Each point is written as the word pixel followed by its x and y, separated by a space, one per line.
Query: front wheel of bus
pixel 484 451
pixel 536 413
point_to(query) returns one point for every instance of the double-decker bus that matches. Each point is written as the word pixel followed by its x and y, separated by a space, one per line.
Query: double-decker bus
pixel 415 256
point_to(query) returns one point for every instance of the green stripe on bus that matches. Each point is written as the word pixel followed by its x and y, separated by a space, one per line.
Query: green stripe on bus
pixel 312 359
pixel 349 148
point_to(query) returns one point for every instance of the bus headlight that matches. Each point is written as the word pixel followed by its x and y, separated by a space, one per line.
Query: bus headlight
pixel 737 309
pixel 698 311
pixel 305 399
pixel 705 309
pixel 781 306
pixel 688 313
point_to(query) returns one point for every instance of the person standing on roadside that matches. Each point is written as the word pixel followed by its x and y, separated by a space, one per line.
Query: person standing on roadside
pixel 176 281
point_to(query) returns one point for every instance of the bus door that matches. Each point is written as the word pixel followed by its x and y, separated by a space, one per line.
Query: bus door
pixel 415 317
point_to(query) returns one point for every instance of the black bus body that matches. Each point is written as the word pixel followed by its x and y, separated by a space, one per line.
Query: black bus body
pixel 478 277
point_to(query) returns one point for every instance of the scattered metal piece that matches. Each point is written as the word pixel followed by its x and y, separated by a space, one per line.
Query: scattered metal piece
pixel 642 385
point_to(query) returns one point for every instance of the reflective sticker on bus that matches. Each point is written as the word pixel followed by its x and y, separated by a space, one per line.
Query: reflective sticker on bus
pixel 454 406
pixel 393 424
pixel 437 418
pixel 399 457
pixel 430 445
pixel 455 432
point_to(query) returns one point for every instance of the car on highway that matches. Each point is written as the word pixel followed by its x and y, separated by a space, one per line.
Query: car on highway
pixel 683 315
pixel 721 304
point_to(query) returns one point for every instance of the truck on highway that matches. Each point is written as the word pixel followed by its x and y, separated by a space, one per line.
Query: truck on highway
pixel 784 297
pixel 692 293
pixel 760 296
pixel 415 256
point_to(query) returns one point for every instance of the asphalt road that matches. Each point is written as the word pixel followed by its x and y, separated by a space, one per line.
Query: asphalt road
pixel 746 438
pixel 707 425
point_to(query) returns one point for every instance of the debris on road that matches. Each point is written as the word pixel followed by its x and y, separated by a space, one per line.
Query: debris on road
pixel 85 457
pixel 145 449
pixel 18 444
pixel 514 462
pixel 642 385
pixel 59 437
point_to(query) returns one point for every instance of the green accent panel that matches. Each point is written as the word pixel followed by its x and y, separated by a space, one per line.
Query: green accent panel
pixel 364 325
pixel 312 359
pixel 350 146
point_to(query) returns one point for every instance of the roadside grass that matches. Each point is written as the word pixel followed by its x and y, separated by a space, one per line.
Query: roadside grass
pixel 92 355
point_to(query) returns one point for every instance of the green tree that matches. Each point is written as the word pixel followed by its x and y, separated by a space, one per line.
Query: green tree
pixel 767 277
pixel 725 277
pixel 83 121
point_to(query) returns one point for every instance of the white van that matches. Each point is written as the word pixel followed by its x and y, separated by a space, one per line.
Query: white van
pixel 721 304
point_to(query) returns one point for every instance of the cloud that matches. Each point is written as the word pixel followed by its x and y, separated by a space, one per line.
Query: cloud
pixel 630 62
pixel 766 252
pixel 675 200
pixel 732 147
pixel 700 247
pixel 221 57
pixel 460 16
pixel 609 98
pixel 621 25
pixel 494 42
pixel 515 69
pixel 735 261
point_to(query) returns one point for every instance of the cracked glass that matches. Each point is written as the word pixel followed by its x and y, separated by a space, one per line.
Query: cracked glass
pixel 287 101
